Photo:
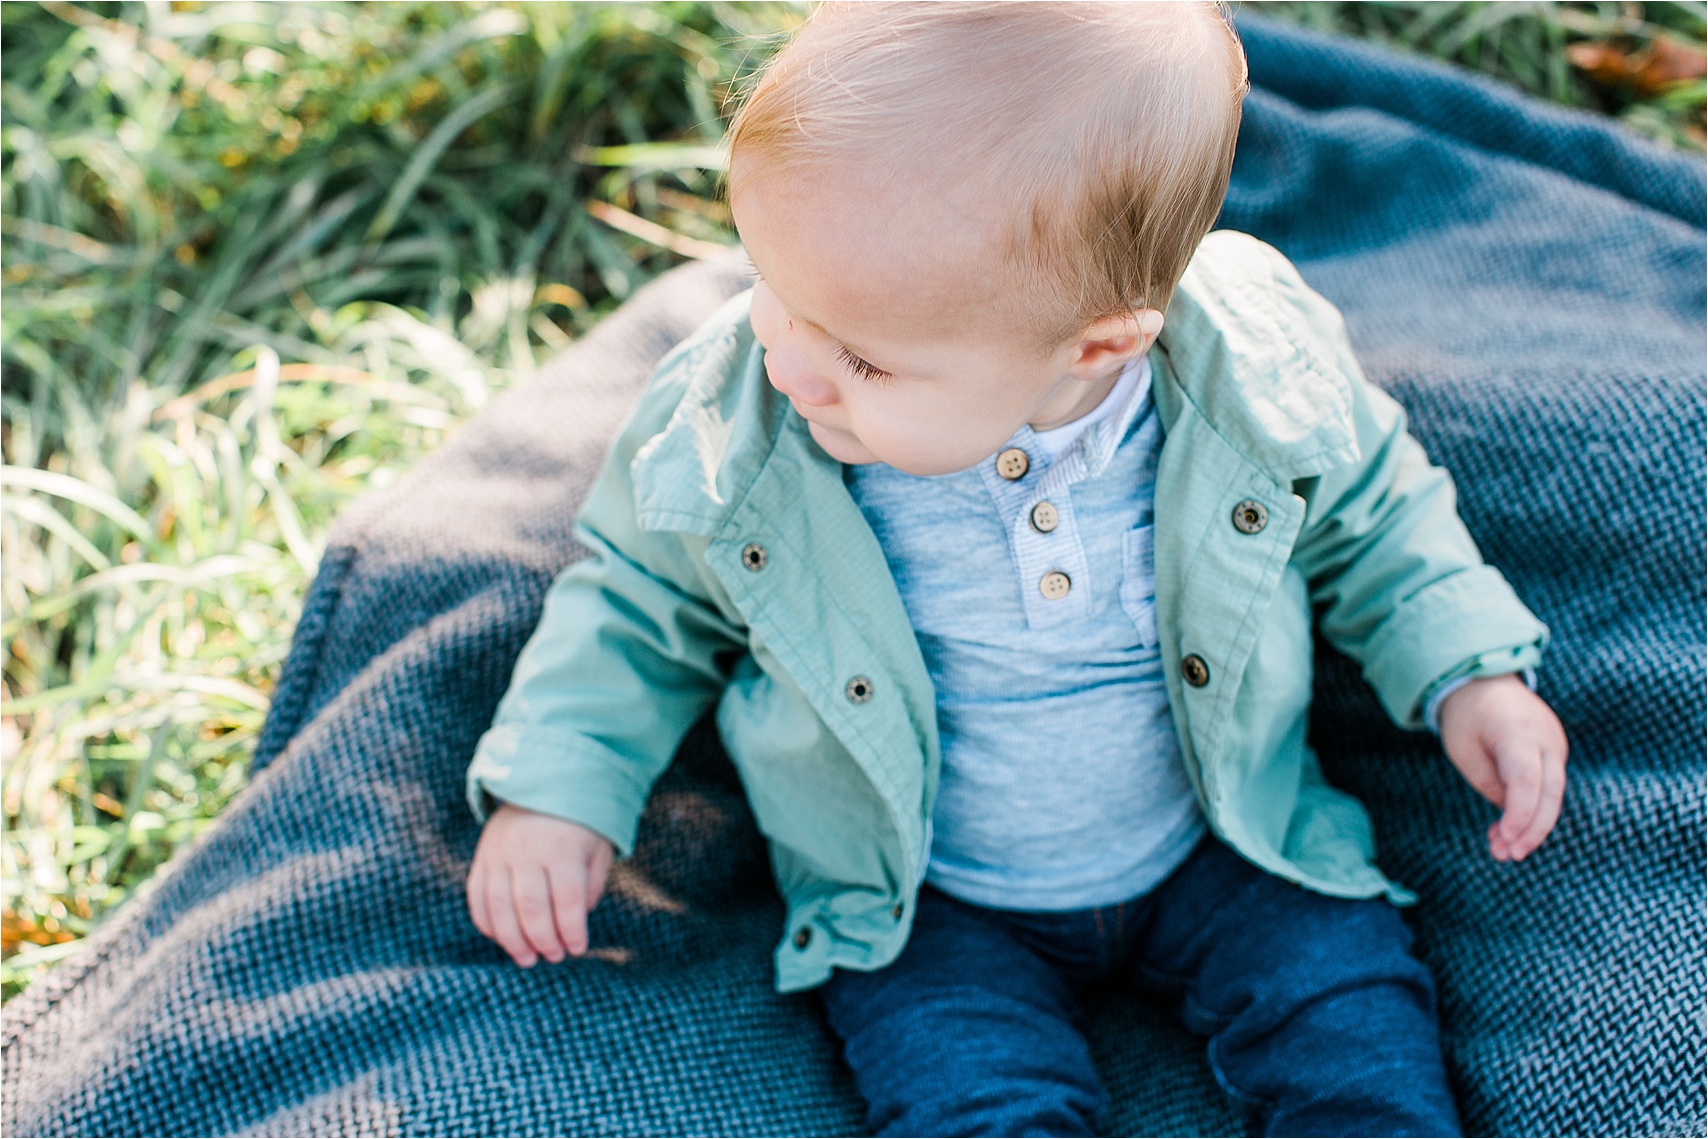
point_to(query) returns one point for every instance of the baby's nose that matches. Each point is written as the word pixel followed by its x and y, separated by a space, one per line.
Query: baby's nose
pixel 798 382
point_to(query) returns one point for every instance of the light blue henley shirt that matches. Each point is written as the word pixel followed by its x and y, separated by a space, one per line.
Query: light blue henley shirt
pixel 1033 599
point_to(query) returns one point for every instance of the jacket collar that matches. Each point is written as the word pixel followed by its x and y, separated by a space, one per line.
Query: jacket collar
pixel 726 424
pixel 1255 352
pixel 1261 357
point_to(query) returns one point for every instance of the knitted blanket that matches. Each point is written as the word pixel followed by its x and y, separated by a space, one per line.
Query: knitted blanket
pixel 1528 282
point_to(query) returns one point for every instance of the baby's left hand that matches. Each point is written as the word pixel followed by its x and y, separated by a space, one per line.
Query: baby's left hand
pixel 1509 745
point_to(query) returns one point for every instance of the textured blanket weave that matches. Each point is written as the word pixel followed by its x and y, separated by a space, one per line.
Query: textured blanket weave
pixel 1530 284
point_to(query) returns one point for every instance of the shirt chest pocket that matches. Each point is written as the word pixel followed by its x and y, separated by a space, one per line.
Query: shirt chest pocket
pixel 1138 582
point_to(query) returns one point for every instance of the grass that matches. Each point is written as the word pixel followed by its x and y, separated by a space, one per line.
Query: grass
pixel 257 260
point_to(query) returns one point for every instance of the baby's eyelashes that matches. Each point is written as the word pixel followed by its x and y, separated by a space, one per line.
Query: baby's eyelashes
pixel 861 368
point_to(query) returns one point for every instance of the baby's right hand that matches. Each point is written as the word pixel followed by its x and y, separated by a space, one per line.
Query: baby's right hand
pixel 533 881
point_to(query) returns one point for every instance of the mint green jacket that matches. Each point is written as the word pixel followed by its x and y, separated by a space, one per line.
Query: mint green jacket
pixel 730 566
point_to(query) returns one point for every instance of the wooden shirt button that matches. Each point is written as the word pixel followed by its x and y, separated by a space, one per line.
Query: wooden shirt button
pixel 1054 585
pixel 1013 464
pixel 1044 518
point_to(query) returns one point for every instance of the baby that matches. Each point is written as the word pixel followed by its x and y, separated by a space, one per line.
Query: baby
pixel 995 522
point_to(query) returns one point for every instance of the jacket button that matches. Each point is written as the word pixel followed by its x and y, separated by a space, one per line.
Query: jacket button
pixel 1054 585
pixel 1013 464
pixel 1044 518
pixel 754 557
pixel 896 911
pixel 1196 672
pixel 803 937
pixel 1250 516
pixel 859 690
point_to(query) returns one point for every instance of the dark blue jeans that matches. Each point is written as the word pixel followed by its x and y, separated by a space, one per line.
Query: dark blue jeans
pixel 1320 1021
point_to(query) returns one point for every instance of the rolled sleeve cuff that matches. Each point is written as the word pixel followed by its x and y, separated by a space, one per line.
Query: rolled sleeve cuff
pixel 562 774
pixel 1442 689
pixel 1469 625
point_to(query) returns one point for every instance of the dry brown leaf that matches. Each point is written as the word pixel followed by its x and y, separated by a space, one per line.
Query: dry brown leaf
pixel 1646 72
pixel 1670 62
pixel 1604 63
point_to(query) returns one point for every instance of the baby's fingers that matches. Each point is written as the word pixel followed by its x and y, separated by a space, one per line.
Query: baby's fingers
pixel 477 901
pixel 1520 766
pixel 501 912
pixel 598 870
pixel 569 904
pixel 1548 810
pixel 534 911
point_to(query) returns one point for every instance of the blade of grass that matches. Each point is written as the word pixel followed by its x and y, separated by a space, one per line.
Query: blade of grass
pixel 421 162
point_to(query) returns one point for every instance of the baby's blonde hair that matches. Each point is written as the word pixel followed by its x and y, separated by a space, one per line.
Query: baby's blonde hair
pixel 1104 130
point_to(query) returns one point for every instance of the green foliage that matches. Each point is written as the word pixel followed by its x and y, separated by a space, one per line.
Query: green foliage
pixel 258 258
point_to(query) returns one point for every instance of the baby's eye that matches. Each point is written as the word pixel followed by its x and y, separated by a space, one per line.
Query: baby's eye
pixel 861 368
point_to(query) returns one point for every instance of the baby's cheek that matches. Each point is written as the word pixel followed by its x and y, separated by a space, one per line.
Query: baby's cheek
pixel 928 446
pixel 966 436
pixel 766 315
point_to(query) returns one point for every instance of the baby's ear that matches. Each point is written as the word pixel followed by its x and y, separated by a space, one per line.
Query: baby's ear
pixel 1112 340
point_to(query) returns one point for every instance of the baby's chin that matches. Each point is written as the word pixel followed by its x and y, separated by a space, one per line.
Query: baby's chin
pixel 844 447
pixel 840 445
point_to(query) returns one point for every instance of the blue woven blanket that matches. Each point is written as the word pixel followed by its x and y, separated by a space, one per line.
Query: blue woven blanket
pixel 1530 284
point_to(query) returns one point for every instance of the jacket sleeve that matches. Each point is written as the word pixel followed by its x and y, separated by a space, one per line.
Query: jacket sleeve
pixel 629 652
pixel 1396 579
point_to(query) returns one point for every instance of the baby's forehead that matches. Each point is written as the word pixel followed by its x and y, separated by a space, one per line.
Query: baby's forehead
pixel 877 239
